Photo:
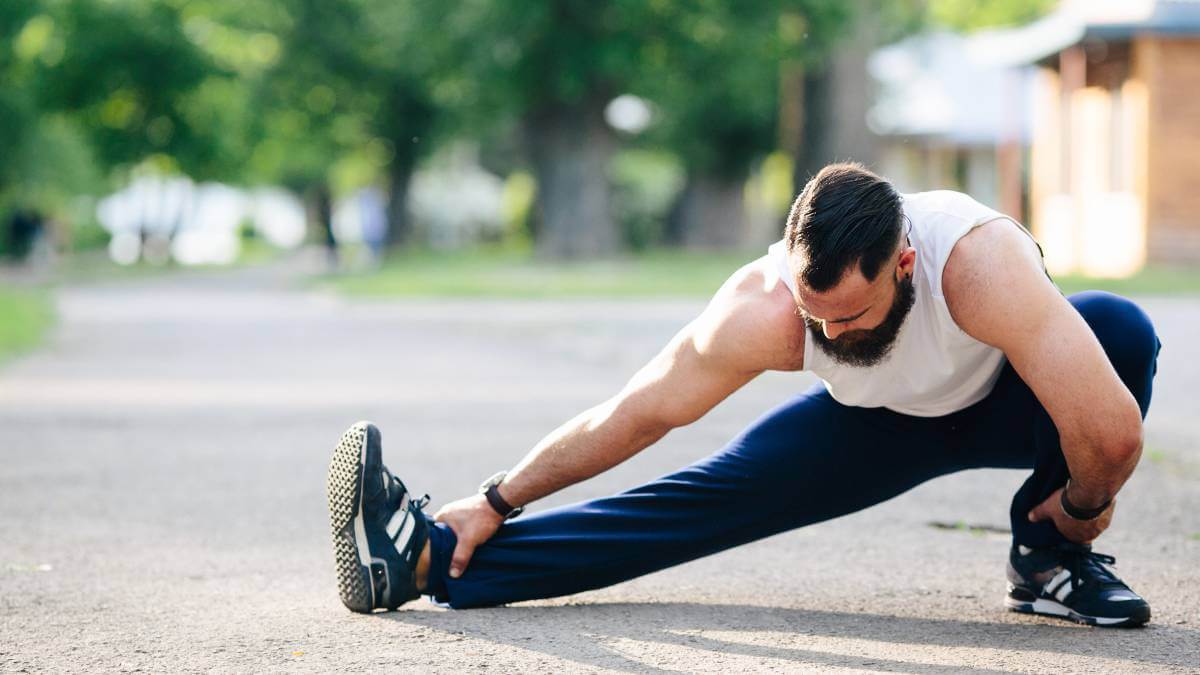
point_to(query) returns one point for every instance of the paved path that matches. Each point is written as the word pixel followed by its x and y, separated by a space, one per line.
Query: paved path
pixel 161 501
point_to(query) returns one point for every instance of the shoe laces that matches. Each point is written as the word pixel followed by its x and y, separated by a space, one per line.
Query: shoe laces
pixel 1086 564
pixel 392 481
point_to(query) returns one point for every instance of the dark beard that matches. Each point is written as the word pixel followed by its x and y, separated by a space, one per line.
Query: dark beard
pixel 863 348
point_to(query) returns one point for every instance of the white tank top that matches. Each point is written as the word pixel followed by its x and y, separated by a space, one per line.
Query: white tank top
pixel 934 368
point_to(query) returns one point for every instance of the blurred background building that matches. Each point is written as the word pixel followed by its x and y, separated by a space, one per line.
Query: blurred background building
pixel 1114 169
pixel 953 112
pixel 1081 123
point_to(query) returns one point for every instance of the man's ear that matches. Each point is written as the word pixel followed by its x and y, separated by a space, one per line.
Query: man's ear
pixel 906 261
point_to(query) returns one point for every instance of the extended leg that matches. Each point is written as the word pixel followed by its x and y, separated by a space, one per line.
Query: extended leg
pixel 808 460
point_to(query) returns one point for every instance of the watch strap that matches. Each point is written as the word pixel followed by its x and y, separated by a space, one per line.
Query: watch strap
pixel 499 504
pixel 1078 513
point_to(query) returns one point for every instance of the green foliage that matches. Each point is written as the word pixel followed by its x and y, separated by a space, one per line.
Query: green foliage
pixel 349 92
pixel 714 73
pixel 18 112
pixel 124 70
pixel 711 68
pixel 514 56
pixel 52 165
pixel 25 317
pixel 969 15
pixel 346 98
pixel 93 87
pixel 645 184
pixel 87 235
pixel 45 158
pixel 1152 280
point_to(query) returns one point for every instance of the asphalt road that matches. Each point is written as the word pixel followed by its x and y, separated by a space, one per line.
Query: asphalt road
pixel 162 504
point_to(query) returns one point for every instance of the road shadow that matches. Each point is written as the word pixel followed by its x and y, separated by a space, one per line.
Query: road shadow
pixel 556 631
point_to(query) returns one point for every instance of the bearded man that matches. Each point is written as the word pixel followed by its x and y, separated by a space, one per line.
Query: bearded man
pixel 941 344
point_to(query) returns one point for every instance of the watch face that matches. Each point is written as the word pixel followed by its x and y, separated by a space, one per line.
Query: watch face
pixel 494 480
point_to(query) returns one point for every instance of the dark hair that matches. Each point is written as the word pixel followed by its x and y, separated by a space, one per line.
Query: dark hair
pixel 844 215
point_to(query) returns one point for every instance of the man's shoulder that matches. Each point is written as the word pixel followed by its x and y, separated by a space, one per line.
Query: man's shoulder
pixel 753 318
pixel 983 252
pixel 987 262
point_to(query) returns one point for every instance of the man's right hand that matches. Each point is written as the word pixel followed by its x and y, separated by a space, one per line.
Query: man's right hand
pixel 1078 531
pixel 473 521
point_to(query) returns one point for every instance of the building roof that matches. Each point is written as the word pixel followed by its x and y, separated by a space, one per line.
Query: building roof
pixel 1078 20
pixel 950 88
pixel 975 89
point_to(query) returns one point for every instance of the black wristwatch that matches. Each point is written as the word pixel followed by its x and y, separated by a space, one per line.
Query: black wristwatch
pixel 489 490
pixel 1077 513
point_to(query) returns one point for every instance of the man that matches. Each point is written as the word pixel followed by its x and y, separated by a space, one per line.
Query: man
pixel 942 346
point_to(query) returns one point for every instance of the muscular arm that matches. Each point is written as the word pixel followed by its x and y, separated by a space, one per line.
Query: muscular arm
pixel 997 292
pixel 750 326
pixel 743 331
pixel 678 386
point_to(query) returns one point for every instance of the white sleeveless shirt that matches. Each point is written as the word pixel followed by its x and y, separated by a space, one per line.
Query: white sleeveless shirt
pixel 934 368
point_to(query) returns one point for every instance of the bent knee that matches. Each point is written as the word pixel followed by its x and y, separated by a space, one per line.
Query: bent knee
pixel 1123 328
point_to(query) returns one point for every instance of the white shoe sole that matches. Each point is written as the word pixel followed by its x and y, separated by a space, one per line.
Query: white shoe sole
pixel 1051 608
pixel 344 488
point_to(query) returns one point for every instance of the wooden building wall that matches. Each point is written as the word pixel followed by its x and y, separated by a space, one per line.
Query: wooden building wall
pixel 1170 69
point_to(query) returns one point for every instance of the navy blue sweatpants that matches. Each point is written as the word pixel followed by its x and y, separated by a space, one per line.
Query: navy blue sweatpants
pixel 808 460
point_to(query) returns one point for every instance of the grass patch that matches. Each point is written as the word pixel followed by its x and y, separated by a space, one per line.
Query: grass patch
pixel 501 272
pixel 1150 281
pixel 1154 455
pixel 25 317
pixel 518 274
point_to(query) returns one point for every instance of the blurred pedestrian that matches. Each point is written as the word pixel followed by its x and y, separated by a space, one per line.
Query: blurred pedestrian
pixel 25 227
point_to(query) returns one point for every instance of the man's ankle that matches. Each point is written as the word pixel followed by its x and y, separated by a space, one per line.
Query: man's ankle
pixel 422 572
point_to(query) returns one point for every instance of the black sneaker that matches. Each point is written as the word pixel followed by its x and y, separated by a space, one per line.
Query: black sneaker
pixel 1072 582
pixel 378 530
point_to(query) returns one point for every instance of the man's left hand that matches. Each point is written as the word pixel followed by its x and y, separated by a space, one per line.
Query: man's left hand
pixel 1078 531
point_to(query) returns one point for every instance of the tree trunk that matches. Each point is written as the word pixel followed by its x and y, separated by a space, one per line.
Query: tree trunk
pixel 319 205
pixel 571 147
pixel 400 225
pixel 835 102
pixel 712 212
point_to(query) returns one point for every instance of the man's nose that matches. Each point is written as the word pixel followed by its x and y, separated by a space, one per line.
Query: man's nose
pixel 832 330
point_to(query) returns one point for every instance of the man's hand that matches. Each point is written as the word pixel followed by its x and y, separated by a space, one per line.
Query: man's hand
pixel 1078 531
pixel 473 521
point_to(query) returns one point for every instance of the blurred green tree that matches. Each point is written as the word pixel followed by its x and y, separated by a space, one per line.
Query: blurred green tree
pixel 127 75
pixel 44 158
pixel 710 68
pixel 714 75
pixel 327 95
pixel 300 92
pixel 968 15
pixel 345 102
pixel 552 65
pixel 17 112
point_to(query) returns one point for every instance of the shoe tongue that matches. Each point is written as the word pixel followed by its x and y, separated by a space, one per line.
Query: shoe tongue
pixel 1100 572
pixel 395 491
pixel 1091 568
